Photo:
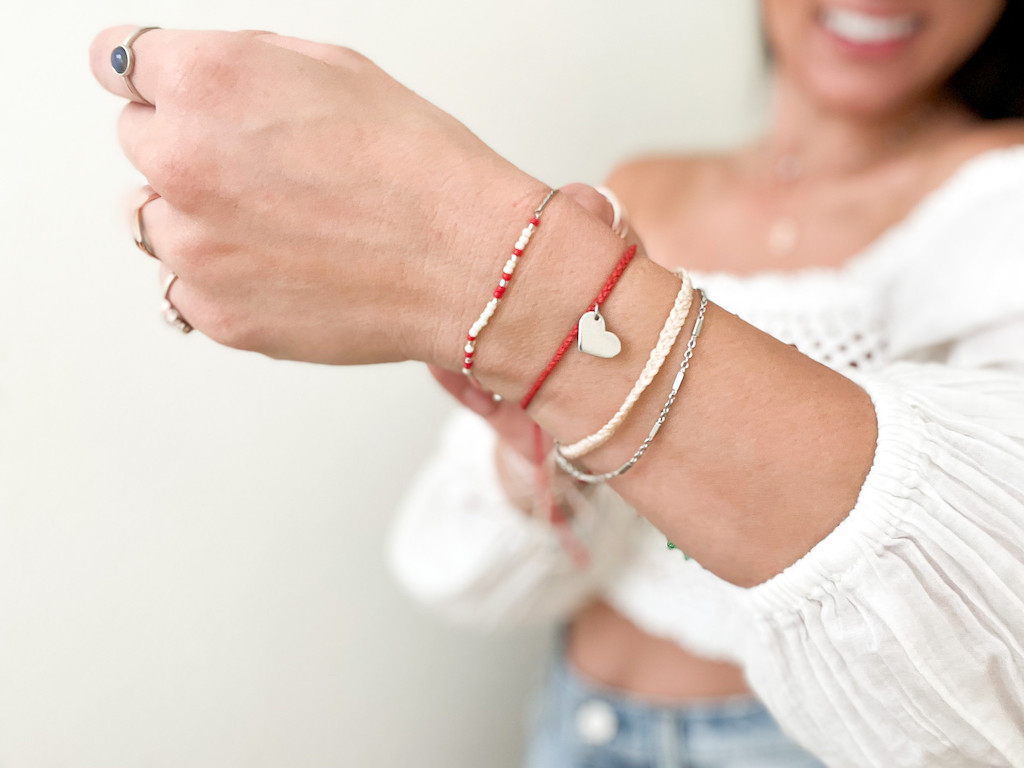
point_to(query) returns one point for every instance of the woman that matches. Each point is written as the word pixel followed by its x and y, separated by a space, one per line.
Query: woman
pixel 881 511
pixel 858 139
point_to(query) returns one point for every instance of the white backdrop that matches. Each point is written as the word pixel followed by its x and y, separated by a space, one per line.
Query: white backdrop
pixel 191 537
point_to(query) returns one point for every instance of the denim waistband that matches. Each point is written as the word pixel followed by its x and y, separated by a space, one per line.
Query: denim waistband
pixel 578 722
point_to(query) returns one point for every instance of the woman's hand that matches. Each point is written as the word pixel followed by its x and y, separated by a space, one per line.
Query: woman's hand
pixel 512 424
pixel 312 207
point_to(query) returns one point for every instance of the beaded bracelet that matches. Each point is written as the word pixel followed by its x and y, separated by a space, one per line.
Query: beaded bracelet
pixel 666 341
pixel 592 479
pixel 499 292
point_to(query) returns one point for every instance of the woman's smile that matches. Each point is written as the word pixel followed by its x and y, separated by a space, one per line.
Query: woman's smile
pixel 871 33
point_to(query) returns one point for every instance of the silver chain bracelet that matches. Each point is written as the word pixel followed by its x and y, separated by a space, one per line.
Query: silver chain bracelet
pixel 584 477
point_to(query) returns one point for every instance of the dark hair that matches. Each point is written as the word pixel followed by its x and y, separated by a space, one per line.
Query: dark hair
pixel 991 82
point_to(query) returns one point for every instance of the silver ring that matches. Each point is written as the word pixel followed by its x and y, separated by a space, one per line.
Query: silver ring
pixel 170 312
pixel 141 241
pixel 122 59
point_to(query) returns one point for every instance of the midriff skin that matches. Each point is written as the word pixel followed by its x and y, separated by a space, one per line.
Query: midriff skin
pixel 606 648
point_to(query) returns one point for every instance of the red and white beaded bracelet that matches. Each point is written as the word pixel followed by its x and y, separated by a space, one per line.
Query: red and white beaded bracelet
pixel 506 277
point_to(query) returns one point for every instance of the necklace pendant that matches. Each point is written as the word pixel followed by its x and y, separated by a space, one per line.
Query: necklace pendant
pixel 783 236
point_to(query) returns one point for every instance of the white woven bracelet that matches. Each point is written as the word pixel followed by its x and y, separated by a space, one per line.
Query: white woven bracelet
pixel 666 340
pixel 585 477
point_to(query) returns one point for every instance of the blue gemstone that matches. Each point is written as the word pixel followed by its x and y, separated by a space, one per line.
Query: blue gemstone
pixel 119 60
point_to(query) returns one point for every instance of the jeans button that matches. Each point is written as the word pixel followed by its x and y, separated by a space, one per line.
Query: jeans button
pixel 596 722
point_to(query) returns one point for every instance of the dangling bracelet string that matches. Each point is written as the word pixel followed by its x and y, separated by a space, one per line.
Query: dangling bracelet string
pixel 543 482
pixel 556 515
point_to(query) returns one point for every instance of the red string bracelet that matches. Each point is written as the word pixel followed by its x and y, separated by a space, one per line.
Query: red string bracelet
pixel 609 284
pixel 557 516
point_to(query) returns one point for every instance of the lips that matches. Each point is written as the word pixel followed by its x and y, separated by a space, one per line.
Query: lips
pixel 869 30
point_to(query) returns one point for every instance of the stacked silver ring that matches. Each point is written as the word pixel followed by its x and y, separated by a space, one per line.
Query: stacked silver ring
pixel 141 241
pixel 122 59
pixel 170 312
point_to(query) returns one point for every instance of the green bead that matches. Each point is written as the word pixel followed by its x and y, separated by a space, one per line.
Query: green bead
pixel 673 546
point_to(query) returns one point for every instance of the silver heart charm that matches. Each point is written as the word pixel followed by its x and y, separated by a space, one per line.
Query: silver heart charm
pixel 595 339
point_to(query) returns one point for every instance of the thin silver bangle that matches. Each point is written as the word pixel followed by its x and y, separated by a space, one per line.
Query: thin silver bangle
pixel 578 474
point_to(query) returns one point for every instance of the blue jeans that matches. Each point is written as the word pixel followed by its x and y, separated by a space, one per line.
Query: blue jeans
pixel 579 724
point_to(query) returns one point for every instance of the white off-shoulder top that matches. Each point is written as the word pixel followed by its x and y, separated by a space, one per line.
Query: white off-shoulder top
pixel 898 640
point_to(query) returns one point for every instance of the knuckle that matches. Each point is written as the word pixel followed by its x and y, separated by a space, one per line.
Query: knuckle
pixel 209 68
pixel 168 170
pixel 182 247
pixel 351 59
pixel 179 167
pixel 128 134
pixel 228 327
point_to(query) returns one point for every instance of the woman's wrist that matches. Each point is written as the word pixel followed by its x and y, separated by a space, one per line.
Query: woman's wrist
pixel 748 402
pixel 564 265
pixel 487 209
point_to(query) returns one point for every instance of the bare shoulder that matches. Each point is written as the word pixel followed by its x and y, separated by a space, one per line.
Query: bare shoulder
pixel 996 134
pixel 653 186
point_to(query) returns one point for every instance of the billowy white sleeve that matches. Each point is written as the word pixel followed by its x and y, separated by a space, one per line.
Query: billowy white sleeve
pixel 898 640
pixel 462 548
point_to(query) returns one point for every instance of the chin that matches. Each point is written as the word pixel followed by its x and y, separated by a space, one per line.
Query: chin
pixel 865 97
pixel 875 57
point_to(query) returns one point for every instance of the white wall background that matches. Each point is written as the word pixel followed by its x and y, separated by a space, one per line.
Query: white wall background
pixel 190 537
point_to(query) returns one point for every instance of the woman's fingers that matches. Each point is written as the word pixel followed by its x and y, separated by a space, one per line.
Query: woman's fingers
pixel 135 133
pixel 604 206
pixel 511 423
pixel 330 54
pixel 152 221
pixel 462 389
pixel 174 304
pixel 164 62
pixel 166 232
pixel 588 197
pixel 159 58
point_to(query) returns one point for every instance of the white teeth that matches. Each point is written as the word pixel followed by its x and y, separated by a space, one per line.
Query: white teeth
pixel 867 29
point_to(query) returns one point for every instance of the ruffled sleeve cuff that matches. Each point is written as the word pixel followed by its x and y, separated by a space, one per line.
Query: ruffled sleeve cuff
pixel 898 640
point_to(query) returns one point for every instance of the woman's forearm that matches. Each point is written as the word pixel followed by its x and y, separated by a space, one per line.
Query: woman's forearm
pixel 760 458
